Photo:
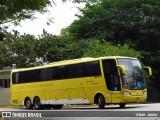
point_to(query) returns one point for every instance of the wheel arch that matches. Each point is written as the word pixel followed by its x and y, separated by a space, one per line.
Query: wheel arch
pixel 97 96
pixel 36 97
pixel 26 100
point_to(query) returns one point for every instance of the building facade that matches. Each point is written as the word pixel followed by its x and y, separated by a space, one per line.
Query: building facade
pixel 5 86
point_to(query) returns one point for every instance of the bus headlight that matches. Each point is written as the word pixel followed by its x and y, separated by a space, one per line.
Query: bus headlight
pixel 126 93
pixel 145 93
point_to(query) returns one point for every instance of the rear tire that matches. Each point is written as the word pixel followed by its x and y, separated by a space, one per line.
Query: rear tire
pixel 37 103
pixel 122 105
pixel 101 102
pixel 28 104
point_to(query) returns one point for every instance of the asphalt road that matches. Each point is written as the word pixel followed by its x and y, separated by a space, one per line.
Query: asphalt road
pixel 131 112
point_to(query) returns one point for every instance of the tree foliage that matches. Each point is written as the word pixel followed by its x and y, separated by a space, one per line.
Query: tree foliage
pixel 26 50
pixel 17 10
pixel 97 48
pixel 132 22
pixel 121 21
pixel 55 48
pixel 17 49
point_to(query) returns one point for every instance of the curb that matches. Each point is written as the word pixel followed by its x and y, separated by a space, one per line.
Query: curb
pixel 12 107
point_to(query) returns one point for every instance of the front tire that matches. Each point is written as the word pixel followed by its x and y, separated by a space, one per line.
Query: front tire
pixel 122 105
pixel 101 102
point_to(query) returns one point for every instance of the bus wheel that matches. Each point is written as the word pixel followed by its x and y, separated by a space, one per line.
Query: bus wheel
pixel 122 105
pixel 57 106
pixel 37 103
pixel 101 102
pixel 28 103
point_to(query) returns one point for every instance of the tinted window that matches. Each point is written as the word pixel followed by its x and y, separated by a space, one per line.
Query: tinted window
pixel 76 70
pixel 92 69
pixel 60 72
pixel 27 76
pixel 46 74
pixel 15 77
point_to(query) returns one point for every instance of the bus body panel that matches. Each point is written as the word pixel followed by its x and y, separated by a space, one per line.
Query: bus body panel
pixel 80 90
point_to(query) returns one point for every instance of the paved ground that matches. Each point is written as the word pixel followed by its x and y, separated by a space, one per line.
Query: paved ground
pixel 4 96
pixel 129 107
pixel 131 112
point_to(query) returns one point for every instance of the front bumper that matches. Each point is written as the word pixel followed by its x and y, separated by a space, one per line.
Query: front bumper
pixel 133 99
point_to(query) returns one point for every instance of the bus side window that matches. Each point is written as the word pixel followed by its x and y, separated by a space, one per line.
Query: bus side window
pixel 75 71
pixel 92 69
pixel 15 78
pixel 59 72
pixel 46 74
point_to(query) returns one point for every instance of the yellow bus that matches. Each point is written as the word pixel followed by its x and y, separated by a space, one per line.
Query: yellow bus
pixel 101 81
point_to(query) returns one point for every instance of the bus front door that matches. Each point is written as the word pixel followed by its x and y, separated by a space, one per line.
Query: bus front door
pixel 112 79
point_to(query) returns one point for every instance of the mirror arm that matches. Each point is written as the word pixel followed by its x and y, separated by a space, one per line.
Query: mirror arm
pixel 149 69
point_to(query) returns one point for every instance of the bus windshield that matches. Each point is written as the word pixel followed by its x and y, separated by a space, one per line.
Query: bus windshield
pixel 134 77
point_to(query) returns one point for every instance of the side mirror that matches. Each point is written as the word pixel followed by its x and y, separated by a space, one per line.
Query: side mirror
pixel 148 70
pixel 123 69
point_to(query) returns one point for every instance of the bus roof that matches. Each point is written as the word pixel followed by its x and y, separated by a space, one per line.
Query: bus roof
pixel 72 61
pixel 115 57
pixel 59 63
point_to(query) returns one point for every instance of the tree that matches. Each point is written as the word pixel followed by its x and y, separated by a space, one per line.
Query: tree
pixel 17 10
pixel 132 22
pixel 26 50
pixel 97 48
pixel 18 49
pixel 121 21
pixel 56 48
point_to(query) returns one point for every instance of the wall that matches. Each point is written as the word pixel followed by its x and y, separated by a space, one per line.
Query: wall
pixel 4 96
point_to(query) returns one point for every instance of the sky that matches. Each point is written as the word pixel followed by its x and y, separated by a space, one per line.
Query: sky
pixel 63 15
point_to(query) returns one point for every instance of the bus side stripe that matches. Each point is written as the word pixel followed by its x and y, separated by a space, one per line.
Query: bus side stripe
pixel 66 101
